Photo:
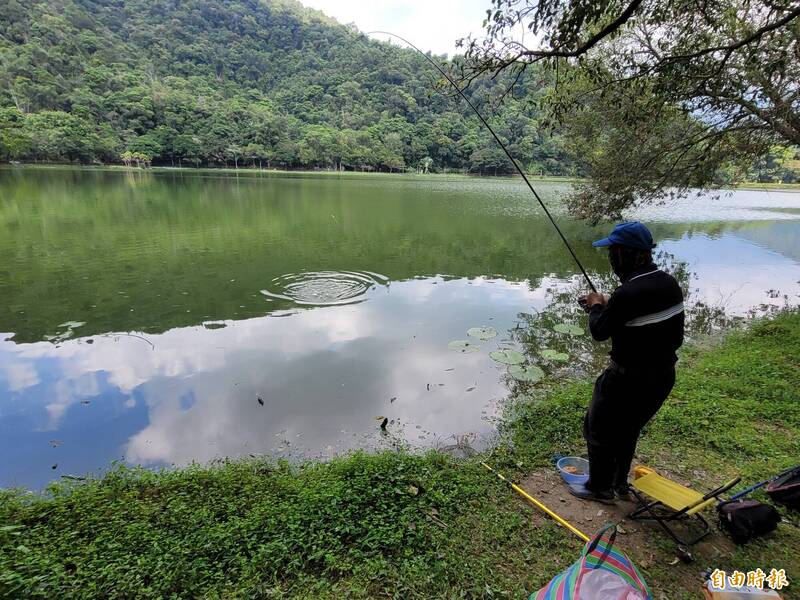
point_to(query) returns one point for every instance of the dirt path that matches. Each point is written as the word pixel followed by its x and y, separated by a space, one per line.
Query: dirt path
pixel 652 550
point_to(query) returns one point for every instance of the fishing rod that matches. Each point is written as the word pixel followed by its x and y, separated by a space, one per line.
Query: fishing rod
pixel 539 505
pixel 760 484
pixel 503 146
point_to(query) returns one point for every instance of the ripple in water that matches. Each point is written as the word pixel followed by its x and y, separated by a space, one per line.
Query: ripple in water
pixel 324 288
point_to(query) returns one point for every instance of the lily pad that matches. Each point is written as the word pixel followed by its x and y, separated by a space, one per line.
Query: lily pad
pixel 463 346
pixel 568 328
pixel 530 373
pixel 59 338
pixel 507 357
pixel 482 333
pixel 555 355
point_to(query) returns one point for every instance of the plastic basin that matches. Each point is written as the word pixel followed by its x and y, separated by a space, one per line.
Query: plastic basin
pixel 581 466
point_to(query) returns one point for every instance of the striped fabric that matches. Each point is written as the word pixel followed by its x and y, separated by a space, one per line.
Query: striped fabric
pixel 656 317
pixel 567 584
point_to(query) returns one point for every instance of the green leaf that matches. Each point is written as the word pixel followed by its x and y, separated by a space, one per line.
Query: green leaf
pixel 11 529
pixel 568 328
pixel 482 333
pixel 555 355
pixel 507 357
pixel 463 346
pixel 530 373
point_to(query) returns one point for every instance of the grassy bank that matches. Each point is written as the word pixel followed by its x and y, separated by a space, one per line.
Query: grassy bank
pixel 396 525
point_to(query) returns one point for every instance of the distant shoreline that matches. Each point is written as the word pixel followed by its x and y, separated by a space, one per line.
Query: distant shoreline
pixel 747 185
pixel 256 171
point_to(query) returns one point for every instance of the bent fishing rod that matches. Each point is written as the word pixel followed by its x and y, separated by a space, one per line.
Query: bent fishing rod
pixel 503 146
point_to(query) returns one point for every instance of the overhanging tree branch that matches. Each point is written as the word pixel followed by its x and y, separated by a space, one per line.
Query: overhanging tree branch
pixel 739 44
pixel 606 31
pixel 665 96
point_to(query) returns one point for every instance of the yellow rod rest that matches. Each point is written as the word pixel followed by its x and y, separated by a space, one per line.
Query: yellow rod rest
pixel 539 505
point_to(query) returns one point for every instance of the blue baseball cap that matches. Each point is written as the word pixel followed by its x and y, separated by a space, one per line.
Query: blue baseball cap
pixel 632 234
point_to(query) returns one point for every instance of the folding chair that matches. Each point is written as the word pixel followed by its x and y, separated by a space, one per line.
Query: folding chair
pixel 670 502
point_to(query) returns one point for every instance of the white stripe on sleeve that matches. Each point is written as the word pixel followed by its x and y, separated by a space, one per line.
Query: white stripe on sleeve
pixel 656 317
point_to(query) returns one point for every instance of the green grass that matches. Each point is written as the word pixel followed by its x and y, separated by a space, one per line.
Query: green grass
pixel 397 525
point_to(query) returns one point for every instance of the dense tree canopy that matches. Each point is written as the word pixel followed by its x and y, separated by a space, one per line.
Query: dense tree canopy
pixel 237 82
pixel 656 97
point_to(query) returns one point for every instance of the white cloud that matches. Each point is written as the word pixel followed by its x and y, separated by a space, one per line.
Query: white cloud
pixel 433 26
pixel 187 351
pixel 323 374
pixel 19 376
pixel 739 285
pixel 66 392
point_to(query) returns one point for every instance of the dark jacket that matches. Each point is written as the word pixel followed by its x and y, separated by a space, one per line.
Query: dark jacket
pixel 644 319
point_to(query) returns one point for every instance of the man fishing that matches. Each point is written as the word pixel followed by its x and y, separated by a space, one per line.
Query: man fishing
pixel 644 319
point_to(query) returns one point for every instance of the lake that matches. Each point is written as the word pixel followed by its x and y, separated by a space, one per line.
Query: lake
pixel 160 318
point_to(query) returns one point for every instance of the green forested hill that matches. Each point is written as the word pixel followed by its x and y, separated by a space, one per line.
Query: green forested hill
pixel 235 82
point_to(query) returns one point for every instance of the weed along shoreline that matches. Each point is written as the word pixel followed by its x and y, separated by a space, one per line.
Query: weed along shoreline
pixel 395 524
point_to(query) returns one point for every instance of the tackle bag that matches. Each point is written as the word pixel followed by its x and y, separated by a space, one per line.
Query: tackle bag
pixel 786 489
pixel 601 573
pixel 747 519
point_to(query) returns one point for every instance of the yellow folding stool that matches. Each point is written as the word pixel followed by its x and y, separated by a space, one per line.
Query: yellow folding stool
pixel 666 502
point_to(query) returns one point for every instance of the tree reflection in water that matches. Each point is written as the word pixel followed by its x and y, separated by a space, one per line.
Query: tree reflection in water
pixel 536 332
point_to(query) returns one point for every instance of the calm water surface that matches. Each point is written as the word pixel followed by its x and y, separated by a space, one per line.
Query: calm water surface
pixel 164 318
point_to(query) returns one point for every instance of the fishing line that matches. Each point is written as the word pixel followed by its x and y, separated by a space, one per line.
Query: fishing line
pixel 503 146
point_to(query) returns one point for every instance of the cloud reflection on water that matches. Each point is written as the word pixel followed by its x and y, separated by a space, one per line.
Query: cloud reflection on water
pixel 324 374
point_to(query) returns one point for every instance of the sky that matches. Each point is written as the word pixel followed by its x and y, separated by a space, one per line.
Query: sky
pixel 433 25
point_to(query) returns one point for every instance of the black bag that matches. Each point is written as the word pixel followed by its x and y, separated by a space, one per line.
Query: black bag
pixel 747 519
pixel 786 489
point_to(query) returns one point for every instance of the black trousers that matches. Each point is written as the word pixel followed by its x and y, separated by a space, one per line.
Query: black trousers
pixel 622 403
